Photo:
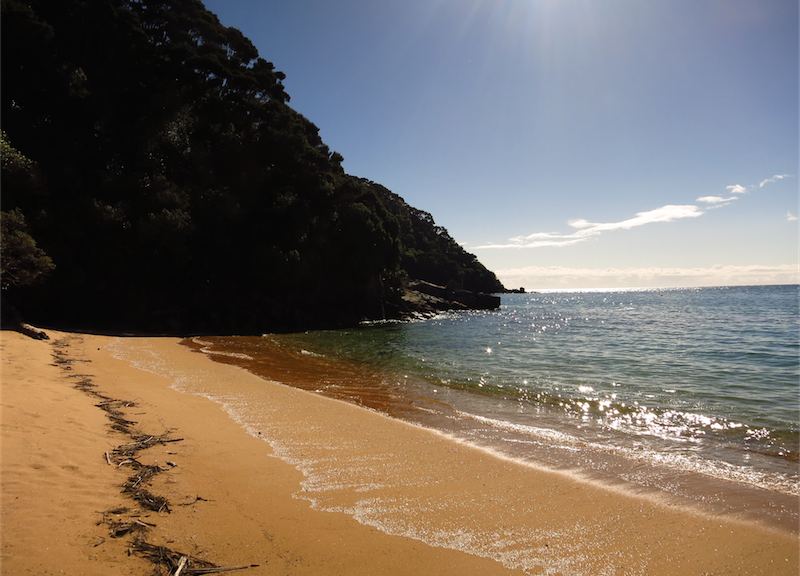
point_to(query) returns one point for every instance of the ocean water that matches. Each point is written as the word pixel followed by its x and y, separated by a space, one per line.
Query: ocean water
pixel 688 394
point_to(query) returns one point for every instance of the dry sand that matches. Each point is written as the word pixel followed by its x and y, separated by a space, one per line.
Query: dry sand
pixel 232 502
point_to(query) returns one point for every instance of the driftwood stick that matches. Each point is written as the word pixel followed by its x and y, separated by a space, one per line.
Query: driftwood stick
pixel 143 440
pixel 145 524
pixel 32 331
pixel 181 566
pixel 108 459
pixel 218 569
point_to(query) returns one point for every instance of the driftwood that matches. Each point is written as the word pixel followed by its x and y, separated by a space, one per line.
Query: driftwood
pixel 178 563
pixel 116 416
pixel 181 565
pixel 132 487
pixel 144 441
pixel 219 569
pixel 11 318
pixel 143 475
pixel 32 331
pixel 149 501
pixel 118 527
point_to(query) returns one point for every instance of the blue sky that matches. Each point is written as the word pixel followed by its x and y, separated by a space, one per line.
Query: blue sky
pixel 566 143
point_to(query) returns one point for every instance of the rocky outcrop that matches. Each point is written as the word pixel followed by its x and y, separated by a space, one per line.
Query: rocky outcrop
pixel 423 298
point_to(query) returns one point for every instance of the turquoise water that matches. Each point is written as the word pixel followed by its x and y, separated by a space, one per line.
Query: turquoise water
pixel 692 392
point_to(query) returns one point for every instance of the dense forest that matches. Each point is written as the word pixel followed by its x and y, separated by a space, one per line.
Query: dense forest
pixel 154 177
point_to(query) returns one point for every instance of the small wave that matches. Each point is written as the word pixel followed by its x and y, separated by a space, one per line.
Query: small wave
pixel 231 354
pixel 310 353
pixel 543 433
pixel 692 463
pixel 206 350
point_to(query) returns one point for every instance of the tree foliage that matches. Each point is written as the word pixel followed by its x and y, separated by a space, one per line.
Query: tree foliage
pixel 430 253
pixel 176 189
pixel 22 261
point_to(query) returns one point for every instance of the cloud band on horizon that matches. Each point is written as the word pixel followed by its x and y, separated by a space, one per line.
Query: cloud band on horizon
pixel 555 277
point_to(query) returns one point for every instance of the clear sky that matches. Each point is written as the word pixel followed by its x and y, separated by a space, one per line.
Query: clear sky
pixel 566 143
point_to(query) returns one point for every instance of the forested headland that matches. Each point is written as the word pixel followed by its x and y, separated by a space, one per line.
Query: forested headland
pixel 154 177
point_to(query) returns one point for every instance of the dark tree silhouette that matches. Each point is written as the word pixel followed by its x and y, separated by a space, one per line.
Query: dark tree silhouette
pixel 175 188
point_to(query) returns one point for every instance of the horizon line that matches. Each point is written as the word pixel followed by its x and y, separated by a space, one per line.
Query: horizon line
pixel 653 288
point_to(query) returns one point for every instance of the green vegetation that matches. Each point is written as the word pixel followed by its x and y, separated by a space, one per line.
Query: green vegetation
pixel 174 188
pixel 23 262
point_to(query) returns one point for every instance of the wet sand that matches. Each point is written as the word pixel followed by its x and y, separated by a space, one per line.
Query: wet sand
pixel 350 491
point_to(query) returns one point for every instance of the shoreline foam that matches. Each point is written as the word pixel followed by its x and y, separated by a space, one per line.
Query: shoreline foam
pixel 450 498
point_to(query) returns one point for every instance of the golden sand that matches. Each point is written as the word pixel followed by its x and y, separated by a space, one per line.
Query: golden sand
pixel 352 491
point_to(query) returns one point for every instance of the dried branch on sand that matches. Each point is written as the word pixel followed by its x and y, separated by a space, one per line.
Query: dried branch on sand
pixel 178 563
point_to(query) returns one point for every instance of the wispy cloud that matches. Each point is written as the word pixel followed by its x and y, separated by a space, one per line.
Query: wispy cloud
pixel 790 217
pixel 668 213
pixel 538 277
pixel 587 230
pixel 716 199
pixel 737 189
pixel 773 179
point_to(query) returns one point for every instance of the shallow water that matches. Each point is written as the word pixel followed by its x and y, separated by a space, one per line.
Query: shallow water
pixel 687 393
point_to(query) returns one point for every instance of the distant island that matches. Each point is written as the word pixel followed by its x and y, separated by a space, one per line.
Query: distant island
pixel 155 178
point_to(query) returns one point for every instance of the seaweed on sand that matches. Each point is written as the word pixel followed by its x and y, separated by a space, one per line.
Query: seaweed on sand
pixel 175 563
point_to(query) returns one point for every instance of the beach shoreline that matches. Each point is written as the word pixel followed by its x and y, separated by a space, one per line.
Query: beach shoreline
pixel 233 502
pixel 511 432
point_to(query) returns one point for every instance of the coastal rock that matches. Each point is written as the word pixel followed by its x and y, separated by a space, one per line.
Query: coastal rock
pixel 466 298
pixel 428 288
pixel 487 301
pixel 424 298
pixel 416 302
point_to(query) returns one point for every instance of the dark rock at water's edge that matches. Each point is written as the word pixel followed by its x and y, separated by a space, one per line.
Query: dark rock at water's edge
pixel 421 298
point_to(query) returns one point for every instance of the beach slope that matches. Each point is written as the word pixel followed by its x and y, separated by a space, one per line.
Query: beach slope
pixel 296 483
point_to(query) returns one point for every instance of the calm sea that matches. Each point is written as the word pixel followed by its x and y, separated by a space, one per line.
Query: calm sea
pixel 688 393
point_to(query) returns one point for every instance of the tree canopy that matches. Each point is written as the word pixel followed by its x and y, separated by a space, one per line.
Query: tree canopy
pixel 173 187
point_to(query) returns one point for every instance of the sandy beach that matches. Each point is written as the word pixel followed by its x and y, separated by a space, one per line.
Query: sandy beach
pixel 406 500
